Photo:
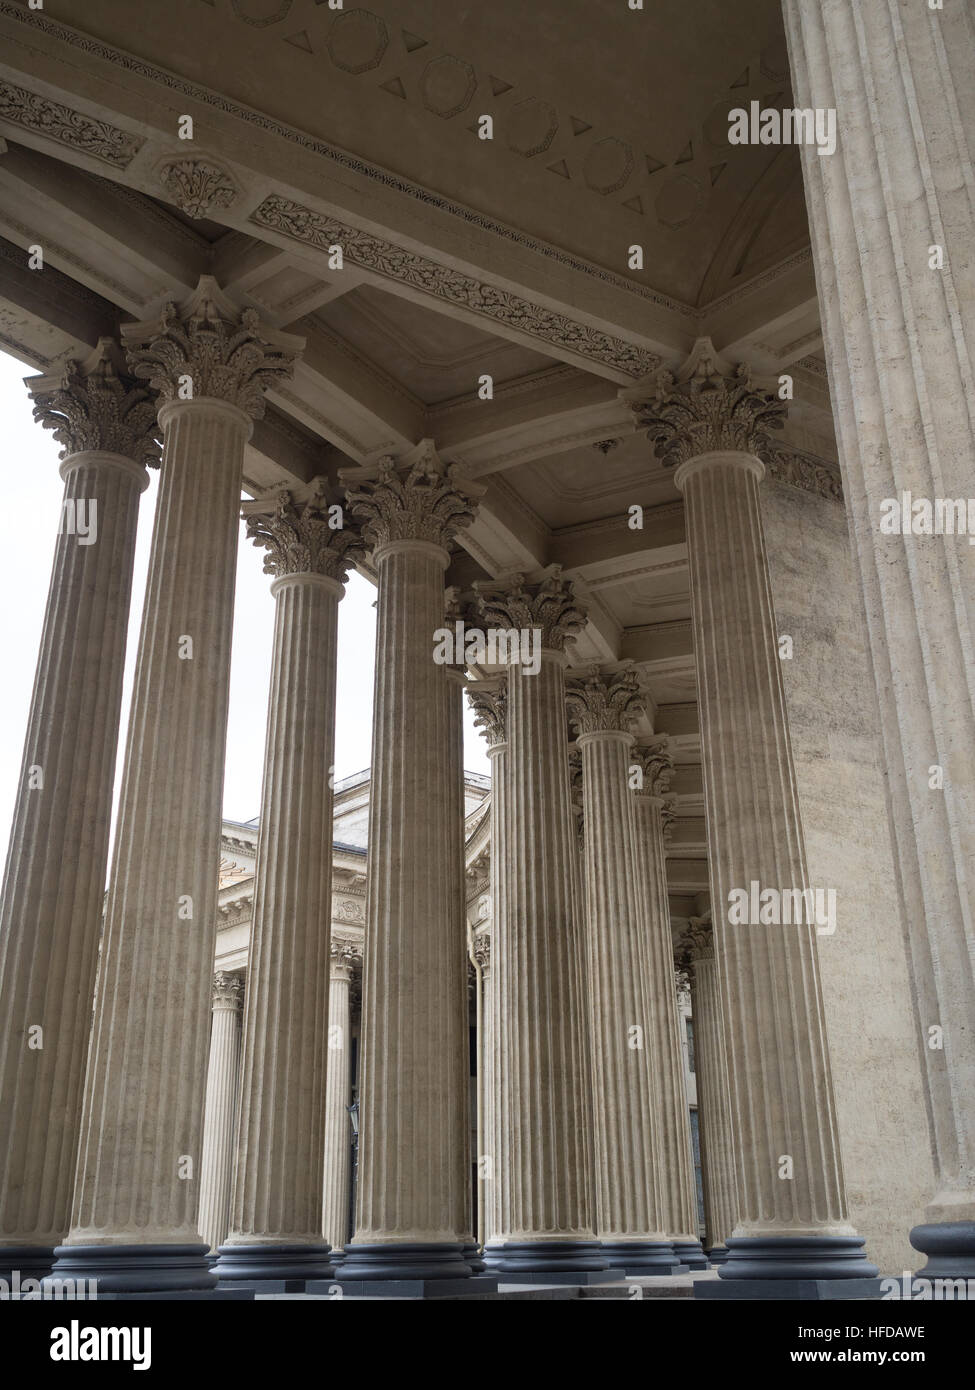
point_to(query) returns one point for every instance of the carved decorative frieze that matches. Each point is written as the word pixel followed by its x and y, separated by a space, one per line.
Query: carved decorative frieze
pixel 59 122
pixel 785 465
pixel 600 703
pixel 197 186
pixel 206 343
pixel 96 404
pixel 550 606
pixel 453 286
pixel 427 500
pixel 299 535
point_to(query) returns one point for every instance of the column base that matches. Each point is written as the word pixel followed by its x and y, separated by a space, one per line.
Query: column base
pixel 398 1262
pixel 642 1257
pixel 131 1269
pixel 559 1261
pixel 477 1285
pixel 473 1256
pixel 691 1253
pixel 949 1246
pixel 797 1258
pixel 273 1268
pixel 29 1261
pixel 787 1290
pixel 717 1255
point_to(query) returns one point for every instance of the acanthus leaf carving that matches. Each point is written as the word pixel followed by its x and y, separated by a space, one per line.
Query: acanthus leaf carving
pixel 295 531
pixel 601 702
pixel 95 404
pixel 421 499
pixel 550 606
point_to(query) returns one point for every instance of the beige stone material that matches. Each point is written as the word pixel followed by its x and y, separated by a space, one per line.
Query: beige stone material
pixel 50 915
pixel 220 1114
pixel 141 1140
pixel 338 1129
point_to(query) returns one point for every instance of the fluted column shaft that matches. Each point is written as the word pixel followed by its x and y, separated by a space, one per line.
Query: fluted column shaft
pixel 544 1101
pixel 676 1187
pixel 621 978
pixel 891 218
pixel 790 1180
pixel 714 1115
pixel 493 1179
pixel 281 1138
pixel 220 1112
pixel 50 914
pixel 413 1093
pixel 142 1123
pixel 458 884
pixel 338 1132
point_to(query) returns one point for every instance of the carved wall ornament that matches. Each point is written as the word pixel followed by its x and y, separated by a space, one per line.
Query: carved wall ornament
pixel 96 404
pixel 602 703
pixel 550 606
pixel 59 122
pixel 297 533
pixel 422 499
pixel 197 185
pixel 349 911
pixel 804 471
pixel 443 282
pixel 225 353
pixel 706 408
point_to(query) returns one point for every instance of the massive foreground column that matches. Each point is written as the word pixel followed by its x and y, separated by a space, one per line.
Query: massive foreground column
pixel 892 216
pixel 544 1082
pixel 624 1057
pixel 50 912
pixel 412 1204
pixel 696 950
pixel 220 1113
pixel 793 1221
pixel 489 699
pixel 676 1187
pixel 276 1209
pixel 136 1193
pixel 338 1129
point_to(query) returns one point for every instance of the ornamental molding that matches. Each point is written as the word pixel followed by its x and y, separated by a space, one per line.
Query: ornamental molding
pixel 197 186
pixel 295 529
pixel 372 253
pixel 55 121
pixel 96 404
pixel 227 354
pixel 708 407
pixel 348 910
pixel 418 498
pixel 550 606
pixel 604 702
pixel 784 464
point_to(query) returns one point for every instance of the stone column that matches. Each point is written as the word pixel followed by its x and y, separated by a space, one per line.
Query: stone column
pixel 603 706
pixel 696 954
pixel 488 699
pixel 891 214
pixel 137 1189
pixel 220 1114
pixel 793 1221
pixel 676 1186
pixel 412 1205
pixel 544 1095
pixel 338 1089
pixel 51 905
pixel 481 957
pixel 276 1209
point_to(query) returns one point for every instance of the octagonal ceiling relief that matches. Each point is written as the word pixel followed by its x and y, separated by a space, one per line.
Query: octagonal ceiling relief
pixel 405 83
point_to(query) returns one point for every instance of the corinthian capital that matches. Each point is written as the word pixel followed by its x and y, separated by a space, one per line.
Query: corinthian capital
pixel 489 701
pixel 709 407
pixel 95 404
pixel 227 990
pixel 601 703
pixel 549 606
pixel 298 532
pixel 696 942
pixel 206 347
pixel 656 766
pixel 419 499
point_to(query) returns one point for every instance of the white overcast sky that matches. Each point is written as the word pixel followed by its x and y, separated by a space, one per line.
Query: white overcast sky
pixel 32 489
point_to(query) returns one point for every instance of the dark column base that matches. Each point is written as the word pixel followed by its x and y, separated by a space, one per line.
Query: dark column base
pixel 398 1262
pixel 949 1246
pixel 273 1268
pixel 691 1253
pixel 130 1269
pixel 642 1257
pixel 31 1261
pixel 519 1262
pixel 478 1285
pixel 787 1290
pixel 473 1256
pixel 794 1258
pixel 717 1255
